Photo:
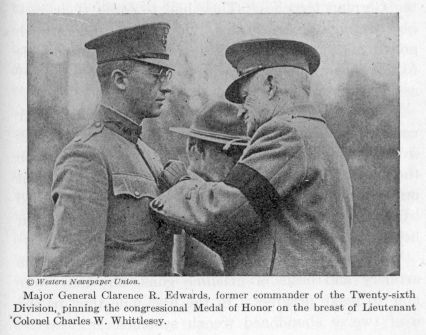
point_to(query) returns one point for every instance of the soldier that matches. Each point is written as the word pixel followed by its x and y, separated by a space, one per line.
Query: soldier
pixel 104 179
pixel 216 140
pixel 292 176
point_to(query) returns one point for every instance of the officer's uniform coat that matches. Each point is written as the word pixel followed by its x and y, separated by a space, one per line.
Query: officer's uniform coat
pixel 103 182
pixel 285 208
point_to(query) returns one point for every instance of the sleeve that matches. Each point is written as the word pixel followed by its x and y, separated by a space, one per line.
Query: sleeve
pixel 206 209
pixel 271 168
pixel 80 195
pixel 273 164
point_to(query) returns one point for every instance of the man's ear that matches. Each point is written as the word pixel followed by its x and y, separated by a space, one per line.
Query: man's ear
pixel 193 148
pixel 271 86
pixel 119 79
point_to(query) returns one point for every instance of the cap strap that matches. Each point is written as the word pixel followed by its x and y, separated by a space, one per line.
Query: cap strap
pixel 219 135
pixel 136 58
pixel 250 69
pixel 228 145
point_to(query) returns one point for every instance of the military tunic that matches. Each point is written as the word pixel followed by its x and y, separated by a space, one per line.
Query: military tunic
pixel 103 182
pixel 287 204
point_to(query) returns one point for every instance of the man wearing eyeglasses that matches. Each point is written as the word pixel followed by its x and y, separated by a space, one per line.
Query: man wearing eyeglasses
pixel 104 179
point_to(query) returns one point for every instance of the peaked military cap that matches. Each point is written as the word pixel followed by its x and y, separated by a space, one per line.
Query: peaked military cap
pixel 145 43
pixel 218 123
pixel 249 57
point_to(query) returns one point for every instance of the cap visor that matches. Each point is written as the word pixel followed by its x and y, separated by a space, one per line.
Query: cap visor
pixel 232 93
pixel 188 132
pixel 157 61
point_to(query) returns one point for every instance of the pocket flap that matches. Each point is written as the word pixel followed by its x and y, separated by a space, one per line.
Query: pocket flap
pixel 134 185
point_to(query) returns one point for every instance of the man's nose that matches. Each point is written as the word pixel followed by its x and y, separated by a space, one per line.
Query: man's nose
pixel 165 87
pixel 241 112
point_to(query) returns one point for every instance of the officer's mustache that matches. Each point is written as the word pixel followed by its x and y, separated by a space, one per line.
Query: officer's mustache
pixel 252 123
pixel 243 112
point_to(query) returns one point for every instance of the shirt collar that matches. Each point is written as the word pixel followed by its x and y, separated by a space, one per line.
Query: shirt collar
pixel 120 123
pixel 307 111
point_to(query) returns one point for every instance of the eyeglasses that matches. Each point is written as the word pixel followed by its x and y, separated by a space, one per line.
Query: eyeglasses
pixel 163 75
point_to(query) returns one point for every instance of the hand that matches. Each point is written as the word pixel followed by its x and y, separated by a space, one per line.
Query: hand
pixel 173 172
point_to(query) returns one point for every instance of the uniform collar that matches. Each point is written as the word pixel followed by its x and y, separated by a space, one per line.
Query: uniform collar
pixel 307 111
pixel 120 124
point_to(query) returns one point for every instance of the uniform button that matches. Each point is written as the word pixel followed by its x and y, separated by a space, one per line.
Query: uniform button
pixel 97 124
pixel 154 204
pixel 157 204
pixel 137 193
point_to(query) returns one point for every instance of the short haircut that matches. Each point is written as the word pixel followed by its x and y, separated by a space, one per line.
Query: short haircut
pixel 105 70
pixel 292 80
pixel 234 151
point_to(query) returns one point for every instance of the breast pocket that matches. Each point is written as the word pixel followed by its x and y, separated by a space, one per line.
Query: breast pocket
pixel 129 216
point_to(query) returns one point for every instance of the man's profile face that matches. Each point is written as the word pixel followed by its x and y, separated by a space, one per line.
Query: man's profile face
pixel 211 164
pixel 146 91
pixel 257 107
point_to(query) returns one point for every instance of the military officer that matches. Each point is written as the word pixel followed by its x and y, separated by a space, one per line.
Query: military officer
pixel 292 177
pixel 216 140
pixel 104 179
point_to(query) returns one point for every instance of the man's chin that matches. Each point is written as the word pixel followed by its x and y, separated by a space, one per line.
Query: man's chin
pixel 251 128
pixel 156 112
pixel 155 115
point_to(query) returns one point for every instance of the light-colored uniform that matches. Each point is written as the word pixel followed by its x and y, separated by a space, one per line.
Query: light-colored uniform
pixel 103 182
pixel 285 208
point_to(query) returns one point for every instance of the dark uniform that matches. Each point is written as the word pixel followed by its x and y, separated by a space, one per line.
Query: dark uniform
pixel 103 182
pixel 292 176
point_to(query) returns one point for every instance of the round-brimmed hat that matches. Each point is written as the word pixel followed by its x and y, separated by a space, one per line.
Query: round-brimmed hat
pixel 218 123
